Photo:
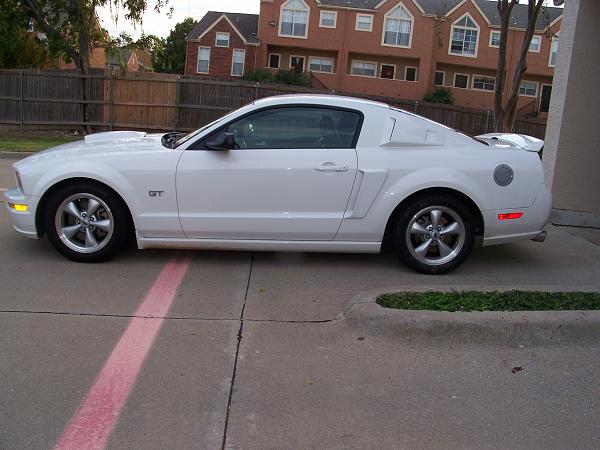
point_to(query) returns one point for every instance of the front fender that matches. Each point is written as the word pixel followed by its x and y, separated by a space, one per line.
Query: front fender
pixel 92 170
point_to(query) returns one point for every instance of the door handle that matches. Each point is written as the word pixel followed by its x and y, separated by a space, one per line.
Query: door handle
pixel 332 167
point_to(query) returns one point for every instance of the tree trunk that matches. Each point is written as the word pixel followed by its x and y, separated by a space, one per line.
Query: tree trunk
pixel 505 10
pixel 84 19
pixel 506 113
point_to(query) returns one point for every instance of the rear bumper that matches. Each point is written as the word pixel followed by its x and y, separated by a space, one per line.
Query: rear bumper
pixel 530 226
pixel 23 221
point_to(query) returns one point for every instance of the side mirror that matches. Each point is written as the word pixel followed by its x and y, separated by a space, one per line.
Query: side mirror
pixel 225 141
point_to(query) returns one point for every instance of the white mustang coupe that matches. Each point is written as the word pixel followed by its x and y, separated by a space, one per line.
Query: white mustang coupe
pixel 290 173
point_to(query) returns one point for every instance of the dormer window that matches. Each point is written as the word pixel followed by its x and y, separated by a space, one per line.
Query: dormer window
pixel 294 19
pixel 465 37
pixel 397 30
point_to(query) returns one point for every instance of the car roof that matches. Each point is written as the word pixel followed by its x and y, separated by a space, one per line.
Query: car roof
pixel 320 99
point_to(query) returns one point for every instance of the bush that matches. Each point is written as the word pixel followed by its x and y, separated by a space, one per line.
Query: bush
pixel 290 77
pixel 259 75
pixel 440 95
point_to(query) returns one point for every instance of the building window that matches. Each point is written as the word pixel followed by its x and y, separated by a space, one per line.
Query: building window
pixel 461 80
pixel 545 96
pixel 274 60
pixel 495 39
pixel 364 69
pixel 465 35
pixel 553 52
pixel 203 59
pixel 528 88
pixel 297 63
pixel 387 71
pixel 321 64
pixel 397 30
pixel 294 19
pixel 364 22
pixel 482 83
pixel 439 78
pixel 328 19
pixel 536 44
pixel 410 73
pixel 222 40
pixel 237 63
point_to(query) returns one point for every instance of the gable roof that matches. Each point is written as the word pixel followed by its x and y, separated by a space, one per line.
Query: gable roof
pixel 246 25
pixel 118 56
pixel 442 7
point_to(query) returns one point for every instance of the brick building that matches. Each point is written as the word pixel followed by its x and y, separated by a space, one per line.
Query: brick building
pixel 222 45
pixel 395 48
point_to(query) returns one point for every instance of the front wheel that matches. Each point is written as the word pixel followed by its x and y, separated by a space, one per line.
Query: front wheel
pixel 434 234
pixel 86 223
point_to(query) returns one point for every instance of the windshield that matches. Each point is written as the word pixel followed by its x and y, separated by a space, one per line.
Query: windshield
pixel 193 134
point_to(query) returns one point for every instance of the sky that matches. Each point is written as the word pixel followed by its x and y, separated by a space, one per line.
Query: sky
pixel 161 25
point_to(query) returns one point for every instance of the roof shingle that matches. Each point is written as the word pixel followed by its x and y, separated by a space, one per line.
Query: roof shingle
pixel 441 7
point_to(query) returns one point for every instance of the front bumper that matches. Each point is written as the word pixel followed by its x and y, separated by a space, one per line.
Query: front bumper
pixel 23 221
pixel 530 226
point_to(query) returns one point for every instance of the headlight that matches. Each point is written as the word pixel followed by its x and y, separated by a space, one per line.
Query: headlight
pixel 19 183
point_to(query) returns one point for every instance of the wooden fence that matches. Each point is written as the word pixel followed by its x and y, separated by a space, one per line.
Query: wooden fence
pixel 162 102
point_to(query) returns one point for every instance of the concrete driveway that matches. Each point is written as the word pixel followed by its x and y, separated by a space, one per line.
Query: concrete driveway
pixel 252 353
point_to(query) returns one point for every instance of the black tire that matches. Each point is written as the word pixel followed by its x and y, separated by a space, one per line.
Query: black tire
pixel 57 220
pixel 451 210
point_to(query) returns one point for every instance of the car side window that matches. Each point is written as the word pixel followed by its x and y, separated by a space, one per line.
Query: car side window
pixel 295 128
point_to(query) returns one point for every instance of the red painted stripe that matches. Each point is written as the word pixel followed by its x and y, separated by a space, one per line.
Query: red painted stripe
pixel 94 421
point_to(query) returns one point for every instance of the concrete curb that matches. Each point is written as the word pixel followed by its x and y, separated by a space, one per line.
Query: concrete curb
pixel 518 328
pixel 15 155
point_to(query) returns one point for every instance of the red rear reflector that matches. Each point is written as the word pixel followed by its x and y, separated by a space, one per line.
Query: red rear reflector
pixel 510 216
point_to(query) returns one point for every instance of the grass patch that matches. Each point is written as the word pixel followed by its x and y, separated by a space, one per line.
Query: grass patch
pixel 32 144
pixel 491 301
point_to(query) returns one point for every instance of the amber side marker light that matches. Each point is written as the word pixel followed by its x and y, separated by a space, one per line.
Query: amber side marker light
pixel 18 207
pixel 510 216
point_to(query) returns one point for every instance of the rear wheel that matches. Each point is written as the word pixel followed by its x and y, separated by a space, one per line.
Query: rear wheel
pixel 434 234
pixel 86 223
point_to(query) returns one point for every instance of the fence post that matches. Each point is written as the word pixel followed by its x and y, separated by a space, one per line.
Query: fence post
pixel 176 110
pixel 416 106
pixel 111 99
pixel 22 104
pixel 487 121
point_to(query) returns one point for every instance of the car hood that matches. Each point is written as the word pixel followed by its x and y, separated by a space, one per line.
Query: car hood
pixel 101 143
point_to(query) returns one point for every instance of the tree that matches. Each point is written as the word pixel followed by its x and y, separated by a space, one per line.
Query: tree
pixel 19 49
pixel 170 58
pixel 73 29
pixel 505 111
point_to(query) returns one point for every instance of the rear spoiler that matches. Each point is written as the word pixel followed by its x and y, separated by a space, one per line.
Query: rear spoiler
pixel 523 141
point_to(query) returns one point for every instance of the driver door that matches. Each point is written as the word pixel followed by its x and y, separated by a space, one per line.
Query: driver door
pixel 288 177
